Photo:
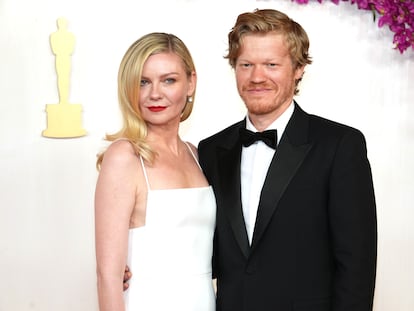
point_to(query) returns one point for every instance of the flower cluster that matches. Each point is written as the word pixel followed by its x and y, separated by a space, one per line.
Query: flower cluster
pixel 397 14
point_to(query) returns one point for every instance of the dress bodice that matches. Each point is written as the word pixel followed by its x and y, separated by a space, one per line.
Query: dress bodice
pixel 170 257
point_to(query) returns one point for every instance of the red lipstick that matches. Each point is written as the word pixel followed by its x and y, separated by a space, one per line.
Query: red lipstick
pixel 156 108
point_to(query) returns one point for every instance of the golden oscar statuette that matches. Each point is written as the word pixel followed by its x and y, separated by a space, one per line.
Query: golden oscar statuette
pixel 64 120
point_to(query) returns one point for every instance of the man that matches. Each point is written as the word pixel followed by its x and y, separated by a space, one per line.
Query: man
pixel 296 225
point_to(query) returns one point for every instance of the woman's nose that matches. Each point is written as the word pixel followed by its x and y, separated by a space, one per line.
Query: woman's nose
pixel 155 92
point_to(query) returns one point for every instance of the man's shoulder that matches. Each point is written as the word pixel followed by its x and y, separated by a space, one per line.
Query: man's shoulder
pixel 325 128
pixel 321 128
pixel 227 134
pixel 337 126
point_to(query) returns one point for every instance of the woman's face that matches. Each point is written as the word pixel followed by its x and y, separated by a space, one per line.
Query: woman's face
pixel 165 87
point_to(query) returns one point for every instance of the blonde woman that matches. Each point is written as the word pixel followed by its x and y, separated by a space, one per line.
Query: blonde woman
pixel 154 209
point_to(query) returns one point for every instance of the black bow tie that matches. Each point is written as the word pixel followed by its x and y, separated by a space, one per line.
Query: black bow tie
pixel 269 137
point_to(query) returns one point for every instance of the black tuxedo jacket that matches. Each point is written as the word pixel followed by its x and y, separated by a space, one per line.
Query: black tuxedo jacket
pixel 315 238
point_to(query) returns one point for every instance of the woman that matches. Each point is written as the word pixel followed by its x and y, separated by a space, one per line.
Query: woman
pixel 154 209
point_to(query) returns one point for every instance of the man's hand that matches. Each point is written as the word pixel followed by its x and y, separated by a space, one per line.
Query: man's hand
pixel 127 277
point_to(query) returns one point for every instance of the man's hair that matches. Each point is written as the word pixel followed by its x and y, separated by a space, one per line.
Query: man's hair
pixel 263 22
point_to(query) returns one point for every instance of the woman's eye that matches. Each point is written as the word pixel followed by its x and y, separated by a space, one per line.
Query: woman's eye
pixel 169 80
pixel 144 82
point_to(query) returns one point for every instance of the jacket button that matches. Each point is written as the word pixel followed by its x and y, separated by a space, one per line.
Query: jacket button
pixel 251 268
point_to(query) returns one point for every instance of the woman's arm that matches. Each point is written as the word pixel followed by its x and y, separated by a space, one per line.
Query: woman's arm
pixel 115 198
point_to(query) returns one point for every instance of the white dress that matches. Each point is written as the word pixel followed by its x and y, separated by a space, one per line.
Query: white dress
pixel 170 257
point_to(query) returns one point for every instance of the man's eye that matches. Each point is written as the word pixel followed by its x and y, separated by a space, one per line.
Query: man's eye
pixel 271 65
pixel 245 65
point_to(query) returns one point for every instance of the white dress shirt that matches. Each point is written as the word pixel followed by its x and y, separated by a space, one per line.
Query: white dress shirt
pixel 255 161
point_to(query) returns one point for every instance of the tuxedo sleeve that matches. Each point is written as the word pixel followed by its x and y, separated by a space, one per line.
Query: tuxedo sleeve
pixel 353 225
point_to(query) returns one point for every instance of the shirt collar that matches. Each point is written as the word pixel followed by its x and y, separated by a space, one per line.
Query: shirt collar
pixel 279 124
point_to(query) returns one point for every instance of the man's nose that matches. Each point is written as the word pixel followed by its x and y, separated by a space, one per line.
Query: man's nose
pixel 258 74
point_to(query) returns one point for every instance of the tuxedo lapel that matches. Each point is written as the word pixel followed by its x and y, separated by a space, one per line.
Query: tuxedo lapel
pixel 228 195
pixel 290 154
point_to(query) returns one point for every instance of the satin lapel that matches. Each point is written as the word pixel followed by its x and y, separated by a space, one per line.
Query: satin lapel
pixel 285 163
pixel 229 198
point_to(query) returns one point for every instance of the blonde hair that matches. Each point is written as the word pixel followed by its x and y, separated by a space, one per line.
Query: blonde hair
pixel 265 21
pixel 134 128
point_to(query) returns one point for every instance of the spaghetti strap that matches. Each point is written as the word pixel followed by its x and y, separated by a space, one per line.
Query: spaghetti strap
pixel 145 173
pixel 142 162
pixel 192 153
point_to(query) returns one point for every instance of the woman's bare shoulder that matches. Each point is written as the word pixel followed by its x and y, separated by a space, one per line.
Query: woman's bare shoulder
pixel 120 153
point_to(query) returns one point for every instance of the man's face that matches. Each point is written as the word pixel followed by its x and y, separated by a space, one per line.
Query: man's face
pixel 265 75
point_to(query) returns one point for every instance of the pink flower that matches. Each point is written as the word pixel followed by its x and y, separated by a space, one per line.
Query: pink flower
pixel 397 14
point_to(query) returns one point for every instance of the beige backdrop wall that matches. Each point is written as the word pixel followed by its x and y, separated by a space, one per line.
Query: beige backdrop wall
pixel 46 202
